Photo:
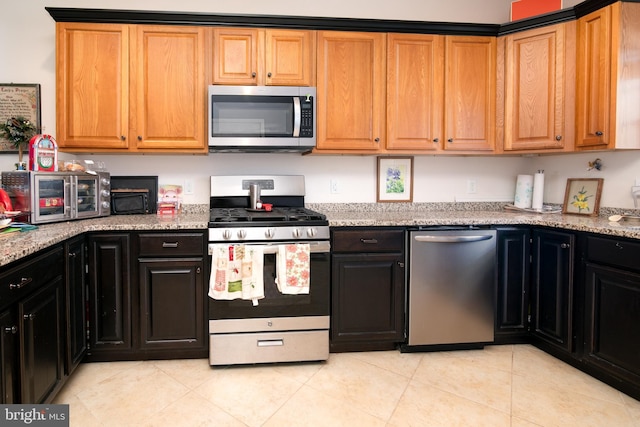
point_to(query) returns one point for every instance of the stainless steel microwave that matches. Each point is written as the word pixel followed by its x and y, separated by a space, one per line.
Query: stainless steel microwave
pixel 44 197
pixel 261 119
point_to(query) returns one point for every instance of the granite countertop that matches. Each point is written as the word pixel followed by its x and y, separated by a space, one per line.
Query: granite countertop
pixel 16 245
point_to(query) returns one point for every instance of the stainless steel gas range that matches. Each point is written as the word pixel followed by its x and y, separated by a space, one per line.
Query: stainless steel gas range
pixel 271 321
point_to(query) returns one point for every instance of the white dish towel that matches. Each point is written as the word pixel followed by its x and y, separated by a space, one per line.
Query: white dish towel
pixel 237 272
pixel 293 268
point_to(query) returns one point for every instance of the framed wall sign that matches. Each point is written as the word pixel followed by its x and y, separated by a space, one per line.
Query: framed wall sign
pixel 395 179
pixel 582 196
pixel 19 100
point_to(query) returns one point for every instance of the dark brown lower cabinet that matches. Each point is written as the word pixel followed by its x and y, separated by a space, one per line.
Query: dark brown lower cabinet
pixel 147 296
pixel 76 303
pixel 41 338
pixel 612 312
pixel 172 303
pixel 109 294
pixel 367 302
pixel 552 288
pixel 512 295
pixel 9 351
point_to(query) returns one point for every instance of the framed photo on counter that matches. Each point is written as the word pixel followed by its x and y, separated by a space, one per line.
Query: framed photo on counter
pixel 395 179
pixel 582 196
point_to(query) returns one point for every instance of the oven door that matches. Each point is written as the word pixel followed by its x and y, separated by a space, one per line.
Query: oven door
pixel 276 304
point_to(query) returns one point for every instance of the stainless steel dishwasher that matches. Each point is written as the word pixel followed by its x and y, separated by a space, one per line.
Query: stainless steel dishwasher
pixel 451 286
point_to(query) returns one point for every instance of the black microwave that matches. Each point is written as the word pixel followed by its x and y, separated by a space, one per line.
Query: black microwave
pixel 261 119
pixel 126 201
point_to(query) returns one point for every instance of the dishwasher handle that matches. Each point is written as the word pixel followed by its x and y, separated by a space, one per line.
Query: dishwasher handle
pixel 452 238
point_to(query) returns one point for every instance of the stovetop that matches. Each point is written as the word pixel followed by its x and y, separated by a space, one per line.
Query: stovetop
pixel 278 216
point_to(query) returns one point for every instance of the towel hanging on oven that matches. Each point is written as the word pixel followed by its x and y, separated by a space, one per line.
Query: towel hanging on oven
pixel 237 272
pixel 293 268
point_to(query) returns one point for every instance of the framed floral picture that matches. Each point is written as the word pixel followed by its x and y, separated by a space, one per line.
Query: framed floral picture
pixel 395 179
pixel 582 196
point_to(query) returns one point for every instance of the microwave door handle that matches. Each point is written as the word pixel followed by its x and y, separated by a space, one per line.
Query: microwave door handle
pixel 297 116
pixel 69 191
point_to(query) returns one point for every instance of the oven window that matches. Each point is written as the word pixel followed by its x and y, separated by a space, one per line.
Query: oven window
pixel 251 116
pixel 274 303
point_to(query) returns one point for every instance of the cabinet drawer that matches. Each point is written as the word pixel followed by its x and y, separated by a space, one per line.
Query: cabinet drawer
pixel 368 240
pixel 28 275
pixel 171 244
pixel 615 252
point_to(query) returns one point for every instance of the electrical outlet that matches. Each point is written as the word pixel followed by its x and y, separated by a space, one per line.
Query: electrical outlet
pixel 335 186
pixel 188 186
pixel 471 186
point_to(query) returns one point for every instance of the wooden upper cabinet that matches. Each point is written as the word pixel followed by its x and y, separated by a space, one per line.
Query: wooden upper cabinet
pixel 608 72
pixel 290 57
pixel 168 81
pixel 351 91
pixel 246 56
pixel 131 88
pixel 415 90
pixel 539 89
pixel 470 93
pixel 92 86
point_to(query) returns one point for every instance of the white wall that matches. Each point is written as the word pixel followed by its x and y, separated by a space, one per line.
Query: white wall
pixel 27 37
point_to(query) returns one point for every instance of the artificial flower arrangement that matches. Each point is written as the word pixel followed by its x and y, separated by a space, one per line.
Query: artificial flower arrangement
pixel 18 131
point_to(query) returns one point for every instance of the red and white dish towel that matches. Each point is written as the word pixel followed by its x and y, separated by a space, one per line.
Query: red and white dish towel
pixel 237 272
pixel 293 270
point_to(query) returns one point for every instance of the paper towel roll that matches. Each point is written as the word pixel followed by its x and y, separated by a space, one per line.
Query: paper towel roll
pixel 524 191
pixel 538 190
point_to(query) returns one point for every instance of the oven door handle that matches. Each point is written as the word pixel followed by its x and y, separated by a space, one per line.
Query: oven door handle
pixel 314 247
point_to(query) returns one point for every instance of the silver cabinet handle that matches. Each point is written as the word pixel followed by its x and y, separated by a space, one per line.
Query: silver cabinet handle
pixel 11 329
pixel 565 245
pixel 558 137
pixel 169 244
pixel 23 282
pixel 369 241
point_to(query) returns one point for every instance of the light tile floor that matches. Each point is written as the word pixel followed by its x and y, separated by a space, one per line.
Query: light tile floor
pixel 518 386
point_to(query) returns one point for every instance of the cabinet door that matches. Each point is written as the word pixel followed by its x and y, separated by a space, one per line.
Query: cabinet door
pixel 290 57
pixel 552 288
pixel 612 323
pixel 42 336
pixel 76 309
pixel 172 303
pixel 169 89
pixel 92 89
pixel 535 103
pixel 415 89
pixel 367 298
pixel 109 293
pixel 9 350
pixel 470 93
pixel 351 90
pixel 235 56
pixel 512 307
pixel 595 96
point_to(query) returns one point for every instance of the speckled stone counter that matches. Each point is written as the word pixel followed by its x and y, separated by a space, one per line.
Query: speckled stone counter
pixel 14 246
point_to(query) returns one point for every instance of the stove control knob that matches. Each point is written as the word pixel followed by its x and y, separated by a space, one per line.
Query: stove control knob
pixel 226 234
pixel 296 232
pixel 269 233
pixel 242 234
pixel 311 232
